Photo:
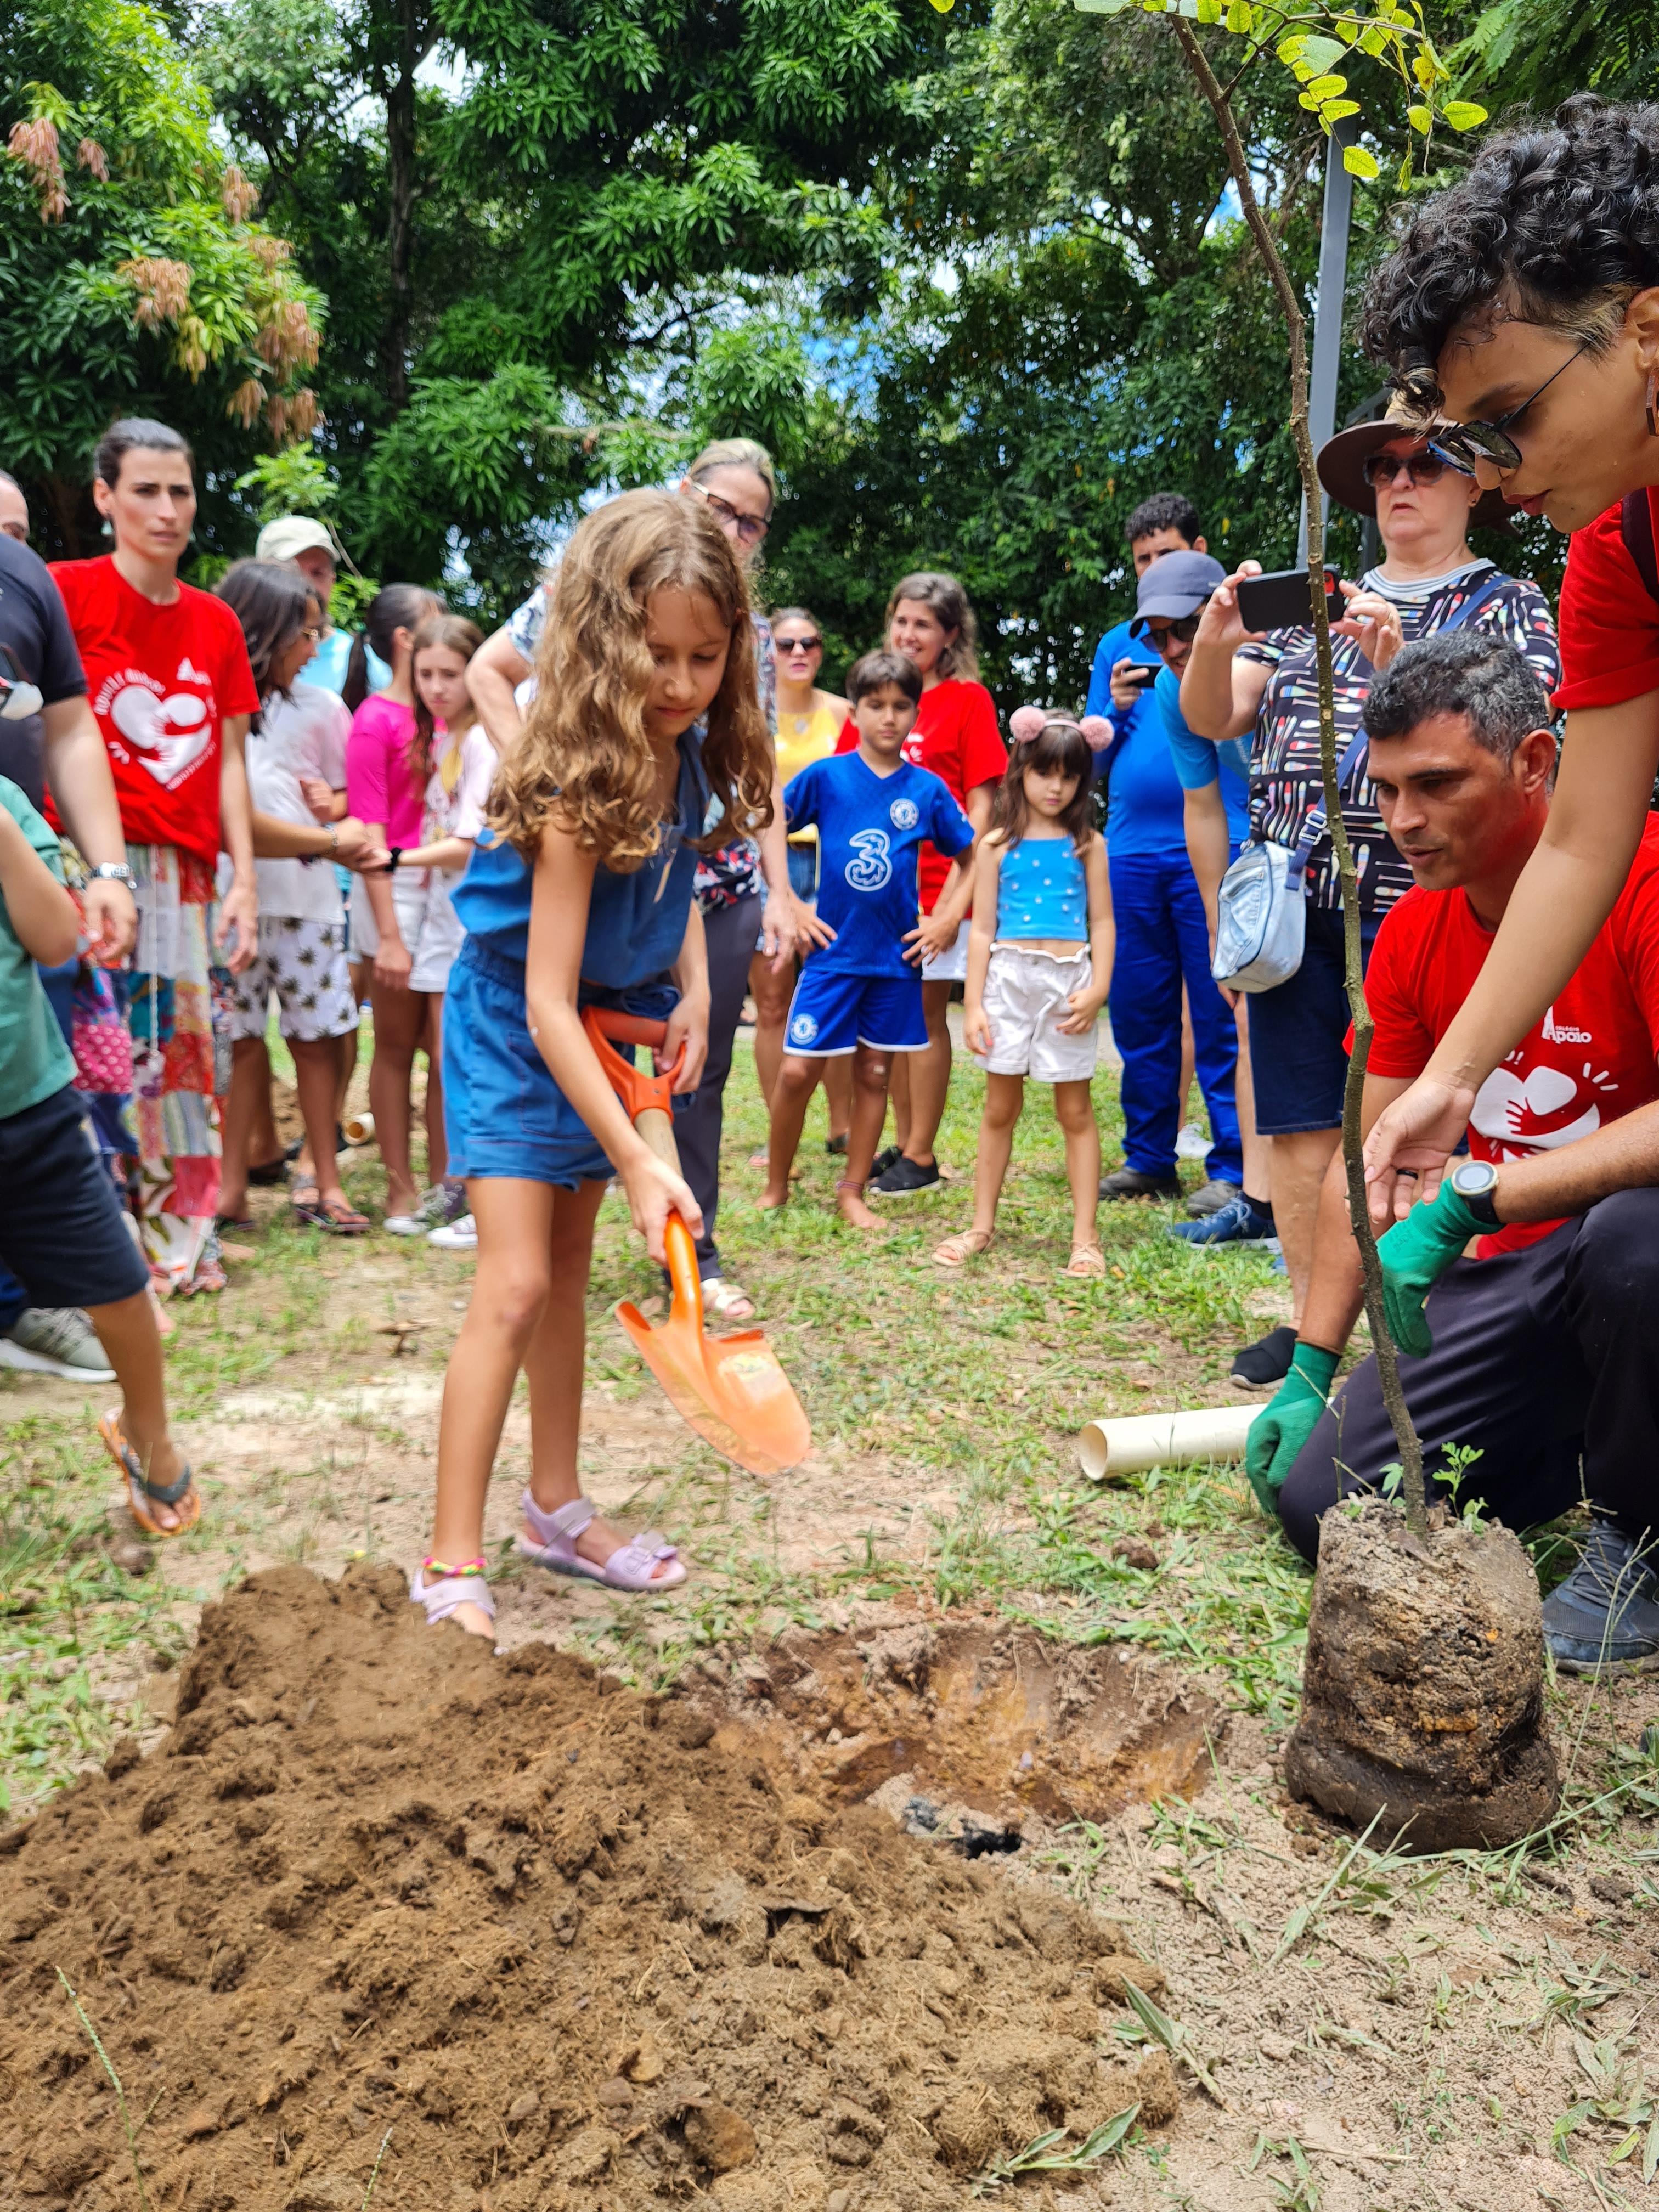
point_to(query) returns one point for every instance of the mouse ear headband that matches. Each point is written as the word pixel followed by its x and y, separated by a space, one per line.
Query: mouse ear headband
pixel 1028 724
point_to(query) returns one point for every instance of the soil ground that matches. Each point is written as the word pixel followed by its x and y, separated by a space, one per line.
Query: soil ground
pixel 1374 2031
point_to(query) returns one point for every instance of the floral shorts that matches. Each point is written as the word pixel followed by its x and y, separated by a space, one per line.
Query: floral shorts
pixel 304 962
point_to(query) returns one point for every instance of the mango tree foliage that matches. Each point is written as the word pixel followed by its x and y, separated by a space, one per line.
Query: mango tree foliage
pixel 133 278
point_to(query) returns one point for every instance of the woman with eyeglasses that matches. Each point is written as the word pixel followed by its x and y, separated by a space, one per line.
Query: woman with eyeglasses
pixel 1265 689
pixel 750 914
pixel 809 722
pixel 1520 313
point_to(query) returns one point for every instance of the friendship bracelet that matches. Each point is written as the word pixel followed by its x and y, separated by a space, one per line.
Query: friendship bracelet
pixel 467 1567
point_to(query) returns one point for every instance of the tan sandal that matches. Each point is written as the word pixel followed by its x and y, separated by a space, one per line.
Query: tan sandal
pixel 967 1245
pixel 1086 1264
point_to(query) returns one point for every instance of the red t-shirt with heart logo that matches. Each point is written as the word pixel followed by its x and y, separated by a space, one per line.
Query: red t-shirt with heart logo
pixel 1589 1060
pixel 161 681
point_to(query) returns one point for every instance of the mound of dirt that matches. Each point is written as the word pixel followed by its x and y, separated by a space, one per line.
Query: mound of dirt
pixel 531 1940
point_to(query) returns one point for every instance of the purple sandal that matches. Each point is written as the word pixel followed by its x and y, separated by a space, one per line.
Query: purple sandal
pixel 629 1566
pixel 453 1587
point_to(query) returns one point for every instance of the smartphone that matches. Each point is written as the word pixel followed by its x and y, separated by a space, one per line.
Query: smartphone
pixel 1139 675
pixel 1280 600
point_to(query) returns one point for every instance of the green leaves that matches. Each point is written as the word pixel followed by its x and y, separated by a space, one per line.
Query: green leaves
pixel 1359 163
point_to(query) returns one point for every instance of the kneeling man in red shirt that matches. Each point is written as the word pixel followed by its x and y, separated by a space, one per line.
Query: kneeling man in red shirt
pixel 1539 1347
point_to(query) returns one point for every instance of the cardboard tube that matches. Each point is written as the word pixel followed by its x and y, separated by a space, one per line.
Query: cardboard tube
pixel 1130 1446
pixel 358 1129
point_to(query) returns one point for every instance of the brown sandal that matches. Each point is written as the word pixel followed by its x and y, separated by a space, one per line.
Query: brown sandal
pixel 142 1492
pixel 967 1245
pixel 1086 1264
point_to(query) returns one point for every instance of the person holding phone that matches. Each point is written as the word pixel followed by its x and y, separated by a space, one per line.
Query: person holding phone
pixel 1161 936
pixel 1241 684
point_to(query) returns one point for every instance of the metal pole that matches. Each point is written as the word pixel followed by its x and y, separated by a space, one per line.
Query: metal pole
pixel 1333 286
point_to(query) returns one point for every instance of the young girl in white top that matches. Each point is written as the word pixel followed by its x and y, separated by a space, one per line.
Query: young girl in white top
pixel 1039 969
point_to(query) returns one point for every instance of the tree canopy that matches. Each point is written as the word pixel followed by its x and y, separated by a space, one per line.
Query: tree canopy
pixel 976 278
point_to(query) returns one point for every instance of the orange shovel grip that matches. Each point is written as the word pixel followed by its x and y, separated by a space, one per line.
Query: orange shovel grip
pixel 640 1091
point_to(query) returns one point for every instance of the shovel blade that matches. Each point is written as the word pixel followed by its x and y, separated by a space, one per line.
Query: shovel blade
pixel 731 1390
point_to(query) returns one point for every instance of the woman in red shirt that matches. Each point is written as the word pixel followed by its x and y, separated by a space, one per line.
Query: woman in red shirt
pixel 169 678
pixel 930 618
pixel 1521 313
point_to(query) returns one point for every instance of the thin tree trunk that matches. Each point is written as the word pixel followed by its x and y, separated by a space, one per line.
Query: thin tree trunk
pixel 411 47
pixel 1387 1367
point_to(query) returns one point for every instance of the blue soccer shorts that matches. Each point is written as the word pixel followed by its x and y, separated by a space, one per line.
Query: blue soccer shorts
pixel 832 1013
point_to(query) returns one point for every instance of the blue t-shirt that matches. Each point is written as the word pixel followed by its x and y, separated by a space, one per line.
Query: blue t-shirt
pixel 328 666
pixel 1199 763
pixel 1144 815
pixel 870 830
pixel 636 922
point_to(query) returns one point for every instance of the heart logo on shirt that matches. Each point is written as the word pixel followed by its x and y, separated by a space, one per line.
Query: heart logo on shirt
pixel 166 735
pixel 1546 1109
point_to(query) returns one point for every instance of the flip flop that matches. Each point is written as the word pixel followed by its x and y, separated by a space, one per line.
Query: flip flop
pixel 142 1492
pixel 309 1208
pixel 629 1566
pixel 233 1221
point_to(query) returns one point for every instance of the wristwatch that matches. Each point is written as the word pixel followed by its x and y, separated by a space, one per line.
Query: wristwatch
pixel 396 860
pixel 1475 1182
pixel 115 871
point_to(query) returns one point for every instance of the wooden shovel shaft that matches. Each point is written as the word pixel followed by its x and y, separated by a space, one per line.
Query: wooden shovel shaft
pixel 657 1129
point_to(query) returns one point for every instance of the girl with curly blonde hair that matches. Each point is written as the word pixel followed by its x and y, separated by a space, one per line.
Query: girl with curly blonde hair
pixel 645 746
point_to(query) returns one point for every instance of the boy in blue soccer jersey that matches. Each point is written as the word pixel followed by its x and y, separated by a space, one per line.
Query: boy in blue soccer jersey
pixel 861 993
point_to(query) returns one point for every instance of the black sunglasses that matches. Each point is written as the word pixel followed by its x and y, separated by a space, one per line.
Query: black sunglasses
pixel 787 644
pixel 1183 632
pixel 1423 468
pixel 1462 445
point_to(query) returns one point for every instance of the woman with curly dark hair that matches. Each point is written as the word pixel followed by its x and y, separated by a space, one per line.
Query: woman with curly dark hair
pixel 1520 313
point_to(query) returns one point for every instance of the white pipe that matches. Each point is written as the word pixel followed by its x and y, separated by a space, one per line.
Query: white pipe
pixel 1108 1449
pixel 358 1129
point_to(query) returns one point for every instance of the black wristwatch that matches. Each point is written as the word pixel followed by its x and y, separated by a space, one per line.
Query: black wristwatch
pixel 395 862
pixel 1475 1182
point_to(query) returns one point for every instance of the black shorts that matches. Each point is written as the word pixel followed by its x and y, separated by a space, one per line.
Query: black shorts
pixel 62 1230
pixel 1299 1032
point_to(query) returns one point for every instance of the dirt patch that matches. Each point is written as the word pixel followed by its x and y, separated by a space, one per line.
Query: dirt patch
pixel 535 1936
pixel 968 1713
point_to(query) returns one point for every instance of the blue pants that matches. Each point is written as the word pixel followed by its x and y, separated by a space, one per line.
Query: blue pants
pixel 1163 940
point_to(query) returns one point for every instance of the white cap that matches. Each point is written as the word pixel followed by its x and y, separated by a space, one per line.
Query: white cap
pixel 293 535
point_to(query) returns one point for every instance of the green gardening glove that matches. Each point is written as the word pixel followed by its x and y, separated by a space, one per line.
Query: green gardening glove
pixel 1415 1254
pixel 1286 1423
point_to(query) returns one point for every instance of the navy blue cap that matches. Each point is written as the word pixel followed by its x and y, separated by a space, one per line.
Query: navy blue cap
pixel 1175 585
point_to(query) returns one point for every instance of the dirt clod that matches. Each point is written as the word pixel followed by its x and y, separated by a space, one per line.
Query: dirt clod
pixel 378 1890
pixel 1422 1692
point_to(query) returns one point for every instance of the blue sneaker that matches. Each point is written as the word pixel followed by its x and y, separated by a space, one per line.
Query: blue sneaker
pixel 1605 1614
pixel 1237 1222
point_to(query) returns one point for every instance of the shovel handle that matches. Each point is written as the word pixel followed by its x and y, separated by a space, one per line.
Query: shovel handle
pixel 640 1091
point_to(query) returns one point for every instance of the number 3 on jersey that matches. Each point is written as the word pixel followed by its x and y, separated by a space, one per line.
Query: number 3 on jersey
pixel 872 868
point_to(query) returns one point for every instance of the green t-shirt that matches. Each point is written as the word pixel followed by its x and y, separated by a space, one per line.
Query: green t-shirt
pixel 34 1061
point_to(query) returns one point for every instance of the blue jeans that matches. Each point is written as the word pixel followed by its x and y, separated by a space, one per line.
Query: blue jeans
pixel 1163 940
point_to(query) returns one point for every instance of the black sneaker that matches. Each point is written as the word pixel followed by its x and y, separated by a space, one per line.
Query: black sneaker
pixel 1211 1197
pixel 905 1178
pixel 1129 1182
pixel 1269 1361
pixel 837 1147
pixel 889 1158
pixel 1606 1612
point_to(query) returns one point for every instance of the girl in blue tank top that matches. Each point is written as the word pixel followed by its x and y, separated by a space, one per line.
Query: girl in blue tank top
pixel 1039 968
pixel 578 892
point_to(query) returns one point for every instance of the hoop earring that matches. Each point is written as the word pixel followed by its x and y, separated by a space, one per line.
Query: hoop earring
pixel 1653 403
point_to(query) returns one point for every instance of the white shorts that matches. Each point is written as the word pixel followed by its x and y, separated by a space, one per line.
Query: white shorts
pixel 427 923
pixel 949 966
pixel 304 964
pixel 1025 995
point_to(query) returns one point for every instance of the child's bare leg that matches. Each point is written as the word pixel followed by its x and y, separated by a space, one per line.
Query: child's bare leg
pixel 838 1097
pixel 553 1369
pixel 1005 1099
pixel 900 1091
pixel 509 1291
pixel 316 1063
pixel 132 1344
pixel 264 1145
pixel 249 1067
pixel 871 1074
pixel 1074 1110
pixel 796 1079
pixel 437 1147
pixel 399 1019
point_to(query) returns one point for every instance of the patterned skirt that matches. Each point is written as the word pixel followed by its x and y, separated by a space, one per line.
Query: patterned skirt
pixel 181 1070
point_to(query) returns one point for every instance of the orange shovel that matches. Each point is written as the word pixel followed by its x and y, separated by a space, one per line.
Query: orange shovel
pixel 730 1389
